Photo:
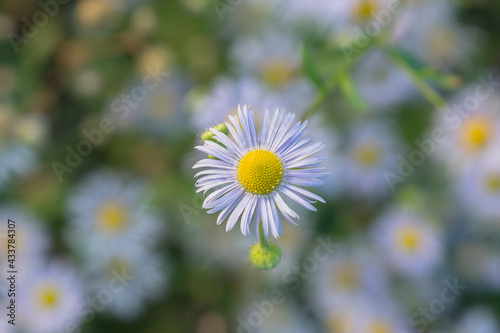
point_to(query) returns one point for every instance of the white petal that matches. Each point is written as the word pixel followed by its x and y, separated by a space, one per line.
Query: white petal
pixel 304 181
pixel 265 127
pixel 218 193
pixel 247 215
pixel 305 193
pixel 274 221
pixel 235 215
pixel 301 201
pixel 264 216
pixel 286 211
pixel 226 211
pixel 282 131
pixel 225 201
pixel 211 163
pixel 306 162
pixel 227 142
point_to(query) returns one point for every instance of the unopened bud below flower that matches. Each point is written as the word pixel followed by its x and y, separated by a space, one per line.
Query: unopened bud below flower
pixel 265 256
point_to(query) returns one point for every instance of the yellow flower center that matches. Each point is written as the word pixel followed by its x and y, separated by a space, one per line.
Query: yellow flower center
pixel 48 297
pixel 409 239
pixel 277 73
pixel 117 265
pixel 339 324
pixel 346 276
pixel 111 217
pixel 441 44
pixel 493 183
pixel 162 105
pixel 380 327
pixel 367 155
pixel 476 133
pixel 260 171
pixel 364 9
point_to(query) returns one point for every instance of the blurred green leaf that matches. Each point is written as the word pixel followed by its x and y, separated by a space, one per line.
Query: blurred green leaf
pixel 350 92
pixel 418 73
pixel 440 79
pixel 311 69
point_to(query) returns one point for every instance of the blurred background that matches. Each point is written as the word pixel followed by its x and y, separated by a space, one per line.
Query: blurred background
pixel 102 102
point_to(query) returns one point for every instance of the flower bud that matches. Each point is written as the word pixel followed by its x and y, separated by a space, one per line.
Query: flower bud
pixel 265 256
pixel 208 135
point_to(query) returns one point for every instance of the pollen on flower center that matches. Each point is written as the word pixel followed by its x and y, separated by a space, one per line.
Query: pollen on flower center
pixel 347 276
pixel 111 217
pixel 367 155
pixel 260 171
pixel 364 9
pixel 493 183
pixel 476 133
pixel 409 239
pixel 48 297
pixel 380 327
pixel 277 73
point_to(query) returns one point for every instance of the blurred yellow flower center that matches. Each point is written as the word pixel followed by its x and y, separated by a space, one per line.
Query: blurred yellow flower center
pixel 493 183
pixel 346 276
pixel 363 9
pixel 367 155
pixel 476 133
pixel 117 265
pixel 111 217
pixel 380 327
pixel 161 105
pixel 340 324
pixel 48 297
pixel 409 239
pixel 260 171
pixel 441 44
pixel 277 73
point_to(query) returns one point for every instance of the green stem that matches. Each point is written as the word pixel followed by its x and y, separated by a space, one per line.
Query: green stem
pixel 320 98
pixel 423 87
pixel 262 236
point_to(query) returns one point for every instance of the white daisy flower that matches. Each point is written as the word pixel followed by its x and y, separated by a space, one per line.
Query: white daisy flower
pixel 132 275
pixel 469 133
pixel 348 15
pixel 350 272
pixel 371 153
pixel 107 210
pixel 410 244
pixel 479 187
pixel 414 12
pixel 224 98
pixel 251 172
pixel 365 315
pixel 380 82
pixel 153 104
pixel 382 319
pixel 275 58
pixel 478 320
pixel 31 239
pixel 343 15
pixel 428 30
pixel 51 299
